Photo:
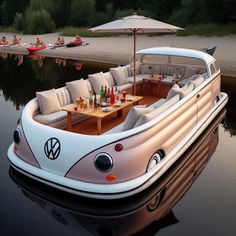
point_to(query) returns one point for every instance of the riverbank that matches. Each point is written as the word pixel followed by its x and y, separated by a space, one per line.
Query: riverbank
pixel 120 49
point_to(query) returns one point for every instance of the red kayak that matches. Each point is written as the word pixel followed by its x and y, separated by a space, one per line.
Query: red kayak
pixel 77 42
pixel 33 48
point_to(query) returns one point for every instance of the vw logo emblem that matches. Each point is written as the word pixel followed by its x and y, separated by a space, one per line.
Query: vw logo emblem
pixel 52 148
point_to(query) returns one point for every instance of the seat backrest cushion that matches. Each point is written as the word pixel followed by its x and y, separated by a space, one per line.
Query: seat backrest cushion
pixel 197 81
pixel 190 71
pixel 110 79
pixel 97 80
pixel 63 96
pixel 48 101
pixel 134 114
pixel 78 88
pixel 153 114
pixel 186 91
pixel 175 89
pixel 119 75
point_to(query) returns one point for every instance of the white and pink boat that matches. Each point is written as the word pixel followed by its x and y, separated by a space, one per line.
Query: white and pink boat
pixel 181 90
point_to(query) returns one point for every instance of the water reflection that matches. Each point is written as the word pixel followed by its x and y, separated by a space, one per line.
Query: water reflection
pixel 21 76
pixel 19 59
pixel 3 55
pixel 145 214
pixel 38 58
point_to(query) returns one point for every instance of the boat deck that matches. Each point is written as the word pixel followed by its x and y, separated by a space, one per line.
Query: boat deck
pixel 89 126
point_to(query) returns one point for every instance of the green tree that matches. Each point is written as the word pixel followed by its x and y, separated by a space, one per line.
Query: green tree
pixel 160 9
pixel 100 4
pixel 201 11
pixel 82 12
pixel 127 4
pixel 61 12
pixel 19 22
pixel 1 1
pixel 9 9
pixel 39 22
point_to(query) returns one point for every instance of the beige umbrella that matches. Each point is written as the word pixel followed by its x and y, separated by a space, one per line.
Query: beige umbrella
pixel 136 24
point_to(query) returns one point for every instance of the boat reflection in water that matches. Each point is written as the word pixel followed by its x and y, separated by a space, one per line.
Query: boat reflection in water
pixel 144 214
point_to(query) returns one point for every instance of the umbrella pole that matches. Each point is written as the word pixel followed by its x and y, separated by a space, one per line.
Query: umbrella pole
pixel 134 88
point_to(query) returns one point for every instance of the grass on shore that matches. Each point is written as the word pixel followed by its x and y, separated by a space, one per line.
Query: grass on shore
pixel 8 29
pixel 208 30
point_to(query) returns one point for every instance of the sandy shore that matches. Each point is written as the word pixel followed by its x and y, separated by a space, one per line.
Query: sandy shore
pixel 120 49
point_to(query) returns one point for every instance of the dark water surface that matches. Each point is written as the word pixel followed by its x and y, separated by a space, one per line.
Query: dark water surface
pixel 196 197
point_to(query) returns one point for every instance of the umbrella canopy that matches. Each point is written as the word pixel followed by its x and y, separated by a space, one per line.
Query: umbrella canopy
pixel 136 24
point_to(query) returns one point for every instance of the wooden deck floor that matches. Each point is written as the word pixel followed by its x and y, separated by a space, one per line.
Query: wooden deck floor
pixel 89 126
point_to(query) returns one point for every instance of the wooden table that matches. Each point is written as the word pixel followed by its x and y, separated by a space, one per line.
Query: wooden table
pixel 98 113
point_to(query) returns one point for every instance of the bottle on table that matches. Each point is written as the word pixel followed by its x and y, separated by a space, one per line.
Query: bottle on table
pixel 117 96
pixel 95 101
pixel 105 94
pixel 112 97
pixel 91 103
pixel 102 94
pixel 108 99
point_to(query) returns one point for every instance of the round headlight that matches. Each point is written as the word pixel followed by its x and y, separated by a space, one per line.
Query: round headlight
pixel 155 159
pixel 103 162
pixel 16 136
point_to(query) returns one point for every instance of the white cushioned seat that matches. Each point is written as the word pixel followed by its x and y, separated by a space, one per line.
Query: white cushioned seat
pixel 190 71
pixel 63 96
pixel 168 80
pixel 48 101
pixel 58 119
pixel 139 78
pixel 175 89
pixel 151 115
pixel 126 70
pixel 119 75
pixel 158 103
pixel 124 87
pixel 97 80
pixel 197 81
pixel 110 79
pixel 188 80
pixel 134 114
pixel 78 88
pixel 50 118
pixel 184 92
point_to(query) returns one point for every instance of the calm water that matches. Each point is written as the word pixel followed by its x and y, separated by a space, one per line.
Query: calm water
pixel 196 197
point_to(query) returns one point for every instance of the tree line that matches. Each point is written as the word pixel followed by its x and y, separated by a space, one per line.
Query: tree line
pixel 43 16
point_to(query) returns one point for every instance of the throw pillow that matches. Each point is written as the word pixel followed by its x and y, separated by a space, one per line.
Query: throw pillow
pixel 48 101
pixel 196 82
pixel 119 75
pixel 78 88
pixel 185 92
pixel 97 80
pixel 134 114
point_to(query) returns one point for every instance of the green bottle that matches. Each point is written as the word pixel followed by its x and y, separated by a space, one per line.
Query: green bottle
pixel 101 94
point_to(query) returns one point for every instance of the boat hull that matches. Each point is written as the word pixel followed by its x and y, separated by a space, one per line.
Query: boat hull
pixel 35 49
pixel 124 188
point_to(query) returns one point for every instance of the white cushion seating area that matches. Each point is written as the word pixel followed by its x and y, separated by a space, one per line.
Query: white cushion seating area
pixel 168 70
pixel 51 102
pixel 139 115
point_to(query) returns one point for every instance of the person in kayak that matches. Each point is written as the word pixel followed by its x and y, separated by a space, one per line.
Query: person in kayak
pixel 78 39
pixel 58 42
pixel 62 41
pixel 15 40
pixel 4 41
pixel 38 43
